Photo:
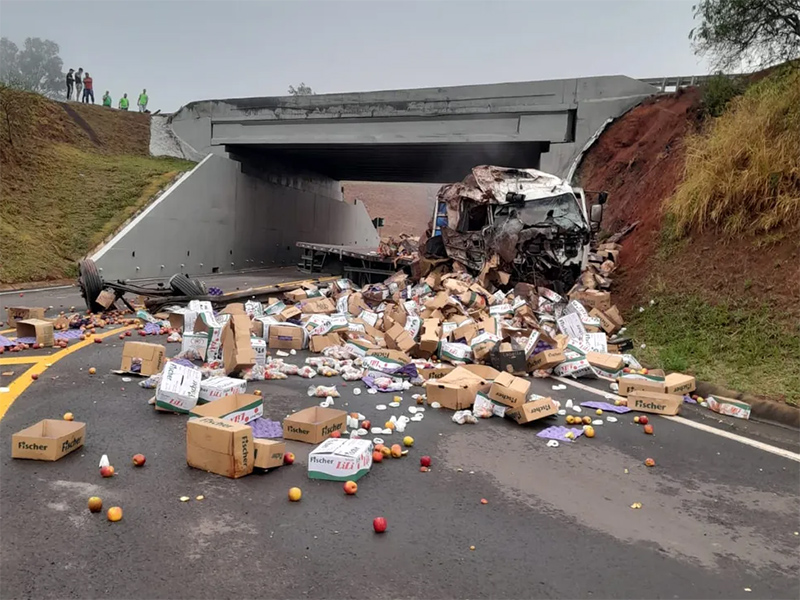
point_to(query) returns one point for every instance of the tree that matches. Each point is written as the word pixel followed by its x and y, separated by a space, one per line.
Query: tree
pixel 746 33
pixel 300 90
pixel 36 67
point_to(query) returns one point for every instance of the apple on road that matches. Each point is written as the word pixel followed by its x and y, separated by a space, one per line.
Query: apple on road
pixel 379 524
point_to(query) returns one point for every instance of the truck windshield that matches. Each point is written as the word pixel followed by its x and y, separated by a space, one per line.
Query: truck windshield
pixel 561 210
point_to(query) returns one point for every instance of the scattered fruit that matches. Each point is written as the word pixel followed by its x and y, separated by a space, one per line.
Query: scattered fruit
pixel 587 420
pixel 350 487
pixel 425 461
pixel 107 471
pixel 114 514
pixel 636 505
pixel 569 435
pixel 648 429
pixel 184 498
pixel 200 497
pixel 588 431
pixel 295 494
pixel 377 456
pixel 95 504
pixel 288 458
pixel 379 447
pixel 257 392
pixel 635 419
pixel 408 441
pixel 379 524
pixel 570 419
pixel 366 424
pixel 397 451
pixel 484 501
pixel 98 340
pixel 424 469
pixel 388 425
pixel 643 420
pixel 336 434
pixel 472 547
pixel 127 334
pixel 35 376
pixel 92 370
pixel 69 417
pixel 599 411
pixel 649 462
pixel 386 451
pixel 138 460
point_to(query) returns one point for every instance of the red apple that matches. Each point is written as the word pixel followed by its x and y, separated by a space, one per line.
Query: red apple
pixel 350 487
pixel 377 456
pixel 643 420
pixel 127 334
pixel 425 461
pixel 288 458
pixel 366 424
pixel 336 434
pixel 107 471
pixel 138 460
pixel 379 524
pixel 34 376
pixel 648 429
pixel 98 340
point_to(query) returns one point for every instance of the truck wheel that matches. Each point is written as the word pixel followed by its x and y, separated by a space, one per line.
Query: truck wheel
pixel 91 284
pixel 185 286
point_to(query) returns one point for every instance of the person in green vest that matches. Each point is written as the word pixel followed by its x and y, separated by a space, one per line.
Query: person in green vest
pixel 107 99
pixel 123 102
pixel 143 101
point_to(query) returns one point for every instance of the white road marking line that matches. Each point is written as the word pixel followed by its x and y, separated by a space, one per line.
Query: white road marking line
pixel 701 426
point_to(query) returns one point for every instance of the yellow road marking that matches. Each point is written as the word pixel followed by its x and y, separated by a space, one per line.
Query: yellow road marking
pixel 7 331
pixel 21 383
pixel 24 360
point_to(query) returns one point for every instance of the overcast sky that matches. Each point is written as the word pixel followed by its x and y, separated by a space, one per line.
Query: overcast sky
pixel 188 50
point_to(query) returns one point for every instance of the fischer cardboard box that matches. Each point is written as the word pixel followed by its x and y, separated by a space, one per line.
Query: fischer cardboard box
pixel 430 336
pixel 141 358
pixel 259 347
pixel 397 338
pixel 239 408
pixel 532 411
pixel 207 323
pixel 466 332
pixel 290 312
pixel 182 318
pixel 435 373
pixel 318 343
pixel 593 299
pixel 385 360
pixel 196 342
pixel 39 329
pixel 49 439
pixel 607 321
pixel 340 459
pixel 508 356
pixel 286 337
pixel 677 383
pixel 295 295
pixel 269 453
pixel 220 446
pixel 456 390
pixel 237 353
pixel 729 406
pixel 546 360
pixel 21 313
pixel 482 371
pixel 179 388
pixel 509 390
pixel 607 362
pixel 324 306
pixel 654 402
pixel 630 384
pixel 314 424
pixel 215 388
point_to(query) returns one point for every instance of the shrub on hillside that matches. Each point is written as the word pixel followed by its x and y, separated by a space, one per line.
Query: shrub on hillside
pixel 743 172
pixel 718 93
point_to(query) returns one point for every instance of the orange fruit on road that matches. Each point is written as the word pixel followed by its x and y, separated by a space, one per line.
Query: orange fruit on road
pixel 95 504
pixel 295 494
pixel 114 514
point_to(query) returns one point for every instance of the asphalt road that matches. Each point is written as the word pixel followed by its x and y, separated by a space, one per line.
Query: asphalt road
pixel 719 518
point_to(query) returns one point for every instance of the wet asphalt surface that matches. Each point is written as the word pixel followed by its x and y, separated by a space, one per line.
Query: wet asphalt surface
pixel 717 518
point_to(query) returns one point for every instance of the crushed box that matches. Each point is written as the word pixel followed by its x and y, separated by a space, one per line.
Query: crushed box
pixel 269 453
pixel 508 356
pixel 729 406
pixel 220 446
pixel 39 329
pixel 148 357
pixel 606 362
pixel 340 459
pixel 215 388
pixel 677 383
pixel 237 353
pixel 239 408
pixel 49 439
pixel 509 390
pixel 21 313
pixel 179 388
pixel 532 411
pixel 314 424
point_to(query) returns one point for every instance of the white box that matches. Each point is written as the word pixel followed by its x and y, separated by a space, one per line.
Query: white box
pixel 179 388
pixel 338 459
pixel 260 349
pixel 253 308
pixel 215 388
pixel 195 341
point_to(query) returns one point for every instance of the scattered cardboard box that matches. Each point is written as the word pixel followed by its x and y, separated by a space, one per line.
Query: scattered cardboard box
pixel 237 353
pixel 456 390
pixel 295 295
pixel 532 411
pixel 220 446
pixel 21 313
pixel 430 336
pixel 49 440
pixel 339 459
pixel 435 373
pixel 269 453
pixel 546 360
pixel 318 306
pixel 179 388
pixel 39 329
pixel 729 406
pixel 106 299
pixel 508 356
pixel 289 313
pixel 677 383
pixel 314 424
pixel 259 347
pixel 398 338
pixel 607 362
pixel 150 358
pixel 509 390
pixel 286 337
pixel 630 384
pixel 318 343
pixel 239 408
pixel 214 388
pixel 654 402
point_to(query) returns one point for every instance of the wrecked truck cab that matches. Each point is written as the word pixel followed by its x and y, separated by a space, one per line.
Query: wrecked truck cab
pixel 529 224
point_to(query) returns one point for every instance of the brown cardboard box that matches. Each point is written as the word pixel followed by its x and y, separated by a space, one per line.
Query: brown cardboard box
pixel 394 354
pixel 436 373
pixel 398 338
pixel 395 314
pixel 238 408
pixel 49 439
pixel 655 402
pixel 37 328
pixel 472 300
pixel 152 356
pixel 593 299
pixel 317 306
pixel 429 338
pixel 508 356
pixel 237 352
pixel 285 337
pixel 314 424
pixel 318 343
pixel 106 299
pixel 631 384
pixel 546 360
pixel 461 374
pixel 454 286
pixel 439 301
pixel 607 362
pixel 296 295
pixel 356 304
pixel 677 383
pixel 290 312
pixel 532 411
pixel 457 394
pixel 465 332
pixel 483 371
pixel 607 324
pixel 509 390
pixel 220 446
pixel 20 313
pixel 269 453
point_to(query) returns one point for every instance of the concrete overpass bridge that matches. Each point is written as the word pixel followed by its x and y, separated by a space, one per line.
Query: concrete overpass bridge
pixel 270 168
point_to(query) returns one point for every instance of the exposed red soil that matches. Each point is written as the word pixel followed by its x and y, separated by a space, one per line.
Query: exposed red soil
pixel 405 207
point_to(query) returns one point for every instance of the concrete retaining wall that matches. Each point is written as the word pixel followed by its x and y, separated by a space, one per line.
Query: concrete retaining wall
pixel 225 216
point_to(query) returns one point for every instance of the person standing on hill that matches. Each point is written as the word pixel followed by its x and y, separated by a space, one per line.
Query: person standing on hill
pixel 70 83
pixel 88 89
pixel 123 102
pixel 143 101
pixel 79 84
pixel 107 99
